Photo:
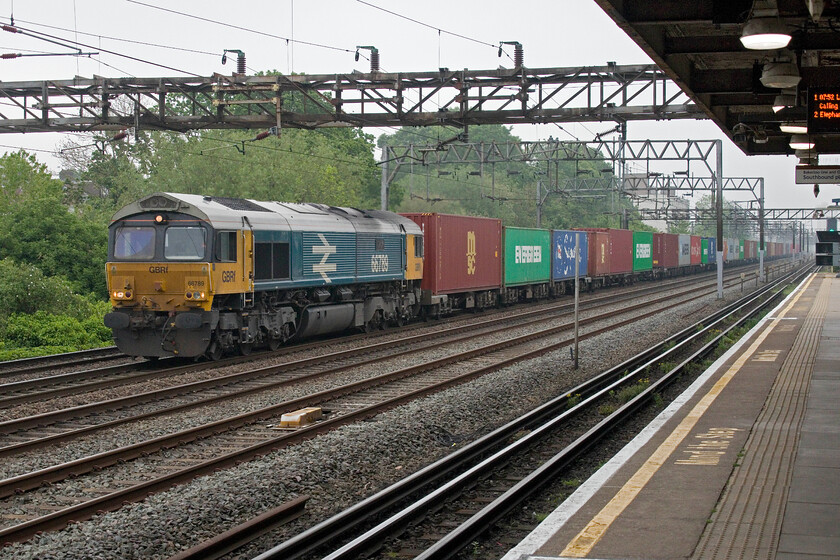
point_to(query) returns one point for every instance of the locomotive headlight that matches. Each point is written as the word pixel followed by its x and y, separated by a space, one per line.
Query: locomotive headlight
pixel 120 294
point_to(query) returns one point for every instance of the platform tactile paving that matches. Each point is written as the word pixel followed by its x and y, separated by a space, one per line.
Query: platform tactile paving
pixel 748 518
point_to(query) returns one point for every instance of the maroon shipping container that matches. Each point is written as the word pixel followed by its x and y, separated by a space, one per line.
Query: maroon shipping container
pixel 666 250
pixel 599 253
pixel 619 248
pixel 461 253
pixel 750 251
pixel 696 249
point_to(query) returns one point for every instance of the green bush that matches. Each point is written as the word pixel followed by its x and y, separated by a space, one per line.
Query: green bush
pixel 43 329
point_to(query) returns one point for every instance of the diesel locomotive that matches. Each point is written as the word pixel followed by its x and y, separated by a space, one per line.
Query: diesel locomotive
pixel 193 275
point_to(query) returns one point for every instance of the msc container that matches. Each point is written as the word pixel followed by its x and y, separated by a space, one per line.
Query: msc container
pixel 462 253
pixel 642 251
pixel 713 249
pixel 620 249
pixel 563 254
pixel 666 250
pixel 527 256
pixel 696 250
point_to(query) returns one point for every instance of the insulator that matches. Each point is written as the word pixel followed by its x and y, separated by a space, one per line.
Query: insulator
pixel 518 55
pixel 374 61
pixel 240 63
pixel 9 55
pixel 262 135
pixel 119 136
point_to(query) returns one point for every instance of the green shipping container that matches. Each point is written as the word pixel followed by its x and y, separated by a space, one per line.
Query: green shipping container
pixel 642 251
pixel 704 251
pixel 527 256
pixel 741 248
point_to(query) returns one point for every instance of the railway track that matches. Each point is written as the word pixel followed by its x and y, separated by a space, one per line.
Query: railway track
pixel 248 438
pixel 20 391
pixel 475 487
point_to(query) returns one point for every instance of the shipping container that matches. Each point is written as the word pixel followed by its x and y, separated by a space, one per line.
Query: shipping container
pixel 685 250
pixel 563 254
pixel 527 256
pixel 751 250
pixel 713 250
pixel 462 253
pixel 642 251
pixel 619 247
pixel 666 250
pixel 696 250
pixel 705 255
pixel 741 249
pixel 600 263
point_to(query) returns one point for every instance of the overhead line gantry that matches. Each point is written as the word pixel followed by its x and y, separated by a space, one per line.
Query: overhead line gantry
pixel 457 98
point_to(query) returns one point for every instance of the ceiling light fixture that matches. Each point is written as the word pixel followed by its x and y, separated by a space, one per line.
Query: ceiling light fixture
pixel 784 100
pixel 801 142
pixel 794 128
pixel 765 34
pixel 780 75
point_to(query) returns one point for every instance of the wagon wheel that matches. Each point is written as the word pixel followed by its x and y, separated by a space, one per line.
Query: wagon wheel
pixel 245 348
pixel 274 343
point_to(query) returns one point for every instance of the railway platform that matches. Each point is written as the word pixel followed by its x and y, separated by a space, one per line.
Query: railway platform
pixel 745 464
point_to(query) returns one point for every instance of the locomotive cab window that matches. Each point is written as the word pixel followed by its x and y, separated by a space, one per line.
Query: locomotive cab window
pixel 226 246
pixel 134 243
pixel 418 246
pixel 184 243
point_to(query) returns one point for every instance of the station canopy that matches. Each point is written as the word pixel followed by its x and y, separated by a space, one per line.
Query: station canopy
pixel 761 96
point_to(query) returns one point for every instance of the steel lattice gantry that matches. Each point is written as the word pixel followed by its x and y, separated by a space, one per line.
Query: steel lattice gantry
pixel 457 98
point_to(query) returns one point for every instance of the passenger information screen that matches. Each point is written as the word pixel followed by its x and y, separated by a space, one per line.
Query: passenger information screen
pixel 823 110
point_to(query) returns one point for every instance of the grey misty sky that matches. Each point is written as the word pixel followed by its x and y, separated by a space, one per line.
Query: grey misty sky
pixel 554 33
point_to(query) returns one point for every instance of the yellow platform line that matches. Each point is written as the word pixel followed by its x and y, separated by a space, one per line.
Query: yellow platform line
pixel 586 540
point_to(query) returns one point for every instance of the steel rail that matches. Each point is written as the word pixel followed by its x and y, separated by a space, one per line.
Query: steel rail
pixel 339 525
pixel 55 416
pixel 115 500
pixel 467 532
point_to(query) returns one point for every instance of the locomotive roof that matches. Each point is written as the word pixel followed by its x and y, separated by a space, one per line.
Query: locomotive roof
pixel 228 213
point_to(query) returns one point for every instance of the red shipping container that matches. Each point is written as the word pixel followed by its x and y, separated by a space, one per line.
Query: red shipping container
pixel 620 249
pixel 666 250
pixel 750 251
pixel 461 253
pixel 599 253
pixel 696 249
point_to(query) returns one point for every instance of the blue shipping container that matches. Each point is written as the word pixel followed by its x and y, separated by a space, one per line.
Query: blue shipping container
pixel 713 250
pixel 563 254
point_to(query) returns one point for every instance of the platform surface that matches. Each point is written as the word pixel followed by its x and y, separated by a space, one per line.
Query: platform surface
pixel 745 464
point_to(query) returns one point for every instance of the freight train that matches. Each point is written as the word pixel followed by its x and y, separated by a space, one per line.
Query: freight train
pixel 191 275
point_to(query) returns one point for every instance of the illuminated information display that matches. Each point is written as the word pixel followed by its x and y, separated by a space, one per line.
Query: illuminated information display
pixel 823 110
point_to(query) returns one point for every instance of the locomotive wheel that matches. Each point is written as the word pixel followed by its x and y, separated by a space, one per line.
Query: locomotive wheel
pixel 214 353
pixel 274 343
pixel 245 348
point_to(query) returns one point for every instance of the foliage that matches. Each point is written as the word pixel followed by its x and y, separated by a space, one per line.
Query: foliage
pixel 41 314
pixel 45 329
pixel 506 190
